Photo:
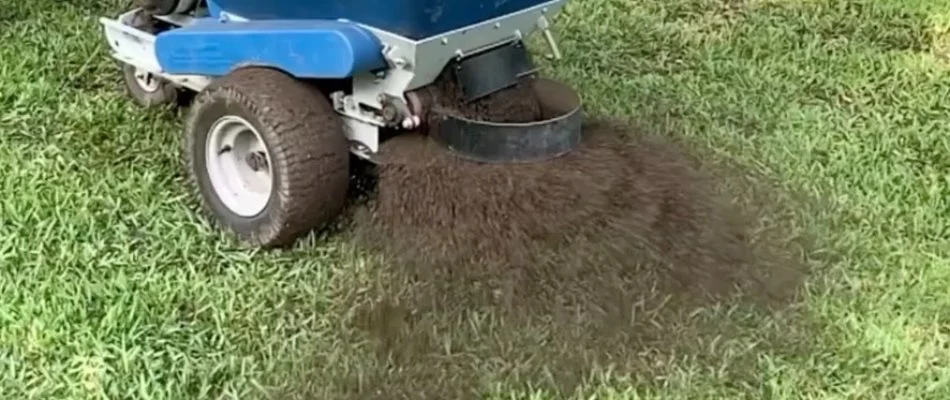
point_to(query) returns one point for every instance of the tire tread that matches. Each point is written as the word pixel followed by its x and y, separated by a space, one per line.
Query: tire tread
pixel 305 136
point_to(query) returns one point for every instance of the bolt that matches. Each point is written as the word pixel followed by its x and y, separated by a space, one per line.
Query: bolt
pixel 256 160
pixel 389 113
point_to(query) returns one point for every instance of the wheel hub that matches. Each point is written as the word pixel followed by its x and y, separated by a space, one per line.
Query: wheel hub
pixel 147 81
pixel 238 166
pixel 256 161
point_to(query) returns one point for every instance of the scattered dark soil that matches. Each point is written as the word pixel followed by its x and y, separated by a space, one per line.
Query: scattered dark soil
pixel 539 274
pixel 638 201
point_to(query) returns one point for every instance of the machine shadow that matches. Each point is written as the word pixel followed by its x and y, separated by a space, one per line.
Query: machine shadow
pixel 630 256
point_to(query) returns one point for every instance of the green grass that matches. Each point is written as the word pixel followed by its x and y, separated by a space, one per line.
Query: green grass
pixel 110 287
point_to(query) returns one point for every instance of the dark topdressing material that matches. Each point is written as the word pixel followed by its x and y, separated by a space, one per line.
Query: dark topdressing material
pixel 538 273
pixel 546 270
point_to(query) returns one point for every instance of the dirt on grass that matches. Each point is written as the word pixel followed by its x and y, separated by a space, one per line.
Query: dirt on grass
pixel 539 274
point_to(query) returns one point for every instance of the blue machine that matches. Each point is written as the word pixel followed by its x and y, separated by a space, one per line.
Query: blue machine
pixel 305 49
pixel 357 63
pixel 413 19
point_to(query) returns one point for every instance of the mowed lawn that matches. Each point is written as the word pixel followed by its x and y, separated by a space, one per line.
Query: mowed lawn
pixel 111 287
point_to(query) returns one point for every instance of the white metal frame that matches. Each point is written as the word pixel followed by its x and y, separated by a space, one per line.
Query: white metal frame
pixel 413 63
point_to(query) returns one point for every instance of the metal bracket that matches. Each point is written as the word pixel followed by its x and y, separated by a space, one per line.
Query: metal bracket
pixel 490 71
pixel 346 105
pixel 545 28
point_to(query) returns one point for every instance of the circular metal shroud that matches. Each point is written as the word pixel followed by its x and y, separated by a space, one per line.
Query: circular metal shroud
pixel 556 134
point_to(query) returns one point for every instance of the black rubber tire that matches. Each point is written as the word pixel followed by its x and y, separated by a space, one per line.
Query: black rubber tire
pixel 158 7
pixel 304 136
pixel 167 92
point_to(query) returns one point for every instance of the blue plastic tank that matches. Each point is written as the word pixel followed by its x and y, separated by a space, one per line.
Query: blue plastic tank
pixel 415 19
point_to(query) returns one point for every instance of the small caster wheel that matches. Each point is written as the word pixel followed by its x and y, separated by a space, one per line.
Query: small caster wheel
pixel 267 156
pixel 147 89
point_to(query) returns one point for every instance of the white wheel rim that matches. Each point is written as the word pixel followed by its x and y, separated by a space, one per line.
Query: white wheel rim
pixel 238 165
pixel 146 81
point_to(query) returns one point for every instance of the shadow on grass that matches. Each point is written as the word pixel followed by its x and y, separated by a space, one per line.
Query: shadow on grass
pixel 631 255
